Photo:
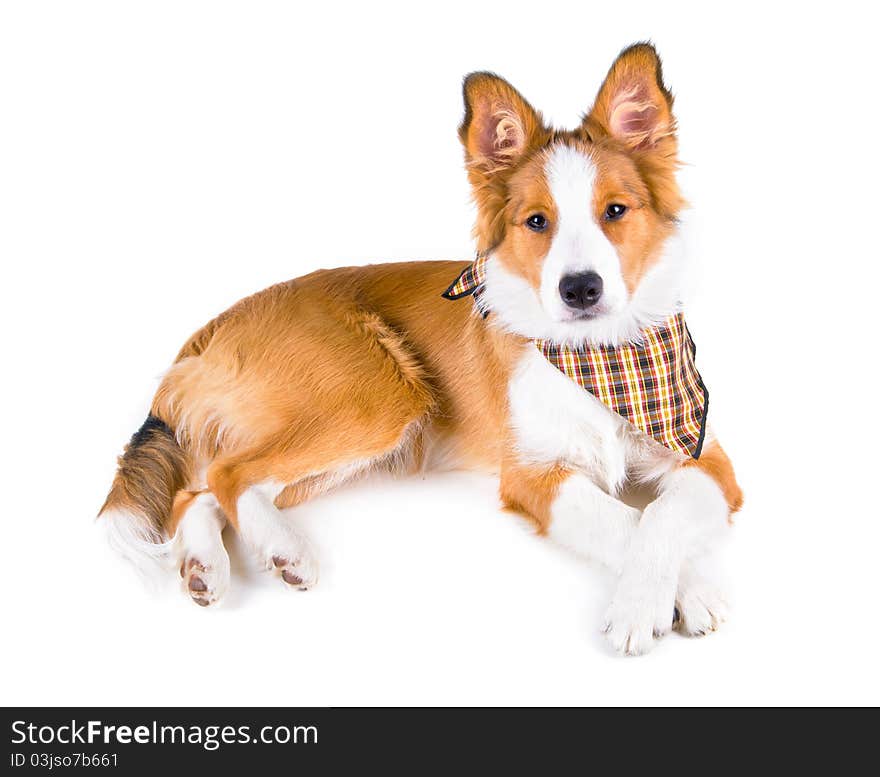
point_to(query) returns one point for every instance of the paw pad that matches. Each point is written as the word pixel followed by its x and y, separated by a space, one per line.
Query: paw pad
pixel 197 584
pixel 298 572
pixel 205 584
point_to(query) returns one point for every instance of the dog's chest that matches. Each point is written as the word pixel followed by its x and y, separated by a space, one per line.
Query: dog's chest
pixel 553 419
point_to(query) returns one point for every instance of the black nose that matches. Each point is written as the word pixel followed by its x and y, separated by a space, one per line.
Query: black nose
pixel 582 290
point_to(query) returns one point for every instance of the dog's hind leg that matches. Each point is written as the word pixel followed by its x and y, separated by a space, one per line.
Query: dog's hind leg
pixel 357 401
pixel 204 563
pixel 253 493
pixel 277 544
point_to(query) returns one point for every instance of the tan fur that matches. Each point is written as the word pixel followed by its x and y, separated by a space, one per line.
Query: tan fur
pixel 716 464
pixel 313 375
pixel 531 491
pixel 183 500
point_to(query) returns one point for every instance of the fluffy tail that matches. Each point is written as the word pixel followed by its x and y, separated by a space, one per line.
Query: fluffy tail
pixel 152 469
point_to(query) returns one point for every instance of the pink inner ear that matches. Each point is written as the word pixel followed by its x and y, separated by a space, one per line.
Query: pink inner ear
pixel 501 134
pixel 634 116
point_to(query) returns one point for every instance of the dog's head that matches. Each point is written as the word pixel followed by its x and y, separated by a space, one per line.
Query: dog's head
pixel 577 222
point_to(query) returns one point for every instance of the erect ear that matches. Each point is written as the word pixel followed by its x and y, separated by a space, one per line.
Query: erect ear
pixel 499 125
pixel 633 105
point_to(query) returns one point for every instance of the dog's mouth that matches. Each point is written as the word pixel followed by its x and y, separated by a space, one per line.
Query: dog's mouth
pixel 589 314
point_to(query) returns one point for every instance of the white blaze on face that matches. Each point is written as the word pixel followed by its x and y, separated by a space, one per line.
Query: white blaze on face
pixel 579 245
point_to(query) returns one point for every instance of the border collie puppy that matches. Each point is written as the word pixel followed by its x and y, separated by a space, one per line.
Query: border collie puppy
pixel 559 360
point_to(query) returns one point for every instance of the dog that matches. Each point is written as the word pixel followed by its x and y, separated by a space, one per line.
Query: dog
pixel 559 359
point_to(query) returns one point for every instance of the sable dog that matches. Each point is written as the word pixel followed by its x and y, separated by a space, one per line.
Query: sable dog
pixel 570 373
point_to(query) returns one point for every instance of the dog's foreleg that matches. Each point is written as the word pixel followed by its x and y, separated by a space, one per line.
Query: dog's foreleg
pixel 689 514
pixel 591 522
pixel 572 510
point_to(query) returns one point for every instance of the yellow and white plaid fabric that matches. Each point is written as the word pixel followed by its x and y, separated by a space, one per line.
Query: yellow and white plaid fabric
pixel 653 384
pixel 470 281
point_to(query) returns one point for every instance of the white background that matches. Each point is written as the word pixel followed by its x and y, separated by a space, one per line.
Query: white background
pixel 159 160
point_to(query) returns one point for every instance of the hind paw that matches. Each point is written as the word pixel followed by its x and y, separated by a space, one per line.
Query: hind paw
pixel 205 583
pixel 297 567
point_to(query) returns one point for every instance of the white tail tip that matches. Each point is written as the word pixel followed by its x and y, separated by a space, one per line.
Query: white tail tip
pixel 132 537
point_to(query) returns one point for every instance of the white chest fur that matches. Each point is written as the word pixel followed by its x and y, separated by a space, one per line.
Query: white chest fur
pixel 555 420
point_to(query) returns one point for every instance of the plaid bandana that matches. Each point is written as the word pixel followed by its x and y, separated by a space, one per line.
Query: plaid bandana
pixel 653 384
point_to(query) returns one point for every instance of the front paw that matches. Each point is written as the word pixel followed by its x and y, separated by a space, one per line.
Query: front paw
pixel 702 605
pixel 642 611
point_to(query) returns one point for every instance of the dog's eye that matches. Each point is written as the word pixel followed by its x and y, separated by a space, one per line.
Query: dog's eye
pixel 537 222
pixel 614 211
